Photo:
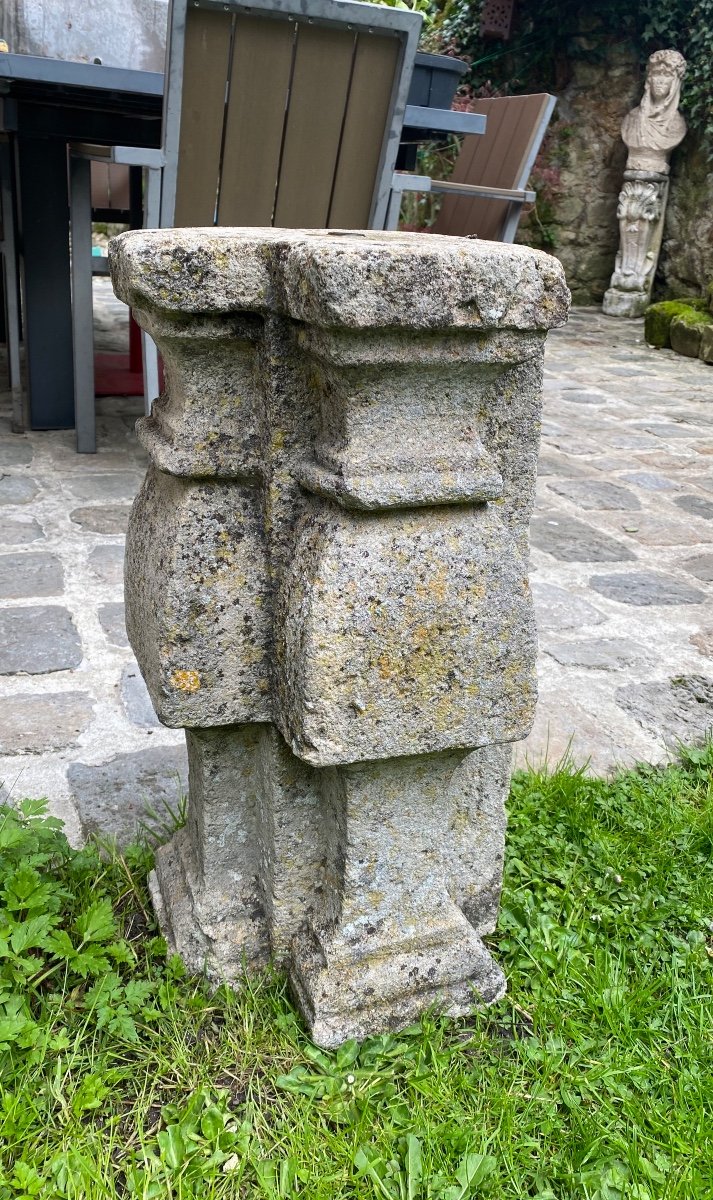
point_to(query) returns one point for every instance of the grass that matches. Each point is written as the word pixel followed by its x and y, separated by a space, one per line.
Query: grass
pixel 592 1080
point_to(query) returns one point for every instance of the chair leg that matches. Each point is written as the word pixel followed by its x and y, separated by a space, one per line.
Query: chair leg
pixel 151 380
pixel 10 287
pixel 511 222
pixel 394 210
pixel 152 205
pixel 152 197
pixel 80 208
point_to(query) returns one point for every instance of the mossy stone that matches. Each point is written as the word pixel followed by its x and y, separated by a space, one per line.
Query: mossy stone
pixel 658 318
pixel 687 330
pixel 706 351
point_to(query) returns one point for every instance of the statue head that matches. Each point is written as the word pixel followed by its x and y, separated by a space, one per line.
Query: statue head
pixel 651 130
pixel 664 73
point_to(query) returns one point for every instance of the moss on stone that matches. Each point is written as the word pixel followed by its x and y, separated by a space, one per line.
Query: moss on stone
pixel 686 331
pixel 658 318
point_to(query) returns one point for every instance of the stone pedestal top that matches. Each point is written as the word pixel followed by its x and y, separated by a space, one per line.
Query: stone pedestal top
pixel 337 278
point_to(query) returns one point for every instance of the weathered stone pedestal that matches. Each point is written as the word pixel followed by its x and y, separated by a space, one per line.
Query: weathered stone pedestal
pixel 327 587
pixel 641 212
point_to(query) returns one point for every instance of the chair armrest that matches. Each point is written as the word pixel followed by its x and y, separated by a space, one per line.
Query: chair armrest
pixel 445 120
pixel 139 156
pixel 520 195
pixel 130 156
pixel 403 182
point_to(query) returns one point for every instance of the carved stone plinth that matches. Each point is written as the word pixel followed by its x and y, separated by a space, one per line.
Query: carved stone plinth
pixel 326 585
pixel 641 211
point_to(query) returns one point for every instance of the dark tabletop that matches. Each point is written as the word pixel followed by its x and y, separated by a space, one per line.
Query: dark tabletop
pixel 47 97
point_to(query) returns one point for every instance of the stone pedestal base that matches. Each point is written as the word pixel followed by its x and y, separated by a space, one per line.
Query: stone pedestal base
pixel 641 211
pixel 206 929
pixel 342 995
pixel 625 304
pixel 372 884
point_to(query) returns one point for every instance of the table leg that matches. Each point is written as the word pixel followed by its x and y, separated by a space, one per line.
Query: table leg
pixel 44 220
pixel 11 305
pixel 80 189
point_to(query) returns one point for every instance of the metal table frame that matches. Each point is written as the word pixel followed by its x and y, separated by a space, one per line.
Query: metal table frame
pixel 45 104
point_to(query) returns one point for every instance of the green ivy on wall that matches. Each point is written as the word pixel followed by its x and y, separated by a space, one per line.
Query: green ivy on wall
pixel 688 28
pixel 548 34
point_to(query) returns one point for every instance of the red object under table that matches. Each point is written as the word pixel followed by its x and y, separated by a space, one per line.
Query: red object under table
pixel 121 374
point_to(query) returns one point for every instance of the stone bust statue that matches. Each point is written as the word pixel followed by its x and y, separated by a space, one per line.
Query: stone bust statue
pixel 652 130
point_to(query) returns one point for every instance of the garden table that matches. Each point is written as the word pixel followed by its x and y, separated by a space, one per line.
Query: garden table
pixel 46 103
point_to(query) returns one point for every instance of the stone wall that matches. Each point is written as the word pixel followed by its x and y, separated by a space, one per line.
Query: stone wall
pixel 686 264
pixel 119 33
pixel 579 175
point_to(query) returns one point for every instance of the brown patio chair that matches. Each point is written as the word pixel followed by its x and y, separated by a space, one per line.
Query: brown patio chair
pixel 486 192
pixel 276 112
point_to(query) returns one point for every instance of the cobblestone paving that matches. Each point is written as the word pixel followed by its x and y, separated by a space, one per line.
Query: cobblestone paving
pixel 622 570
pixel 622 548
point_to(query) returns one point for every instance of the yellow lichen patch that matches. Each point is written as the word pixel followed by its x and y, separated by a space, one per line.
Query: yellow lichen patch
pixel 388 667
pixel 186 681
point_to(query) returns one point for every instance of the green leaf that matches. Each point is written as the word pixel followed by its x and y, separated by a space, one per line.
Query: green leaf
pixel 89 962
pixel 368 1162
pixel 212 1123
pixel 473 1170
pixel 11 1028
pixel 122 1025
pixel 20 886
pixel 11 834
pixel 33 807
pixel 347 1055
pixel 30 934
pixel 28 1179
pixel 172 1147
pixel 97 923
pixel 60 944
pixel 414 1168
pixel 136 993
pixel 90 1094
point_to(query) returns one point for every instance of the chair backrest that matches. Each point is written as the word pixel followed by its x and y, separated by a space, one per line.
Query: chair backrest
pixel 284 112
pixel 501 157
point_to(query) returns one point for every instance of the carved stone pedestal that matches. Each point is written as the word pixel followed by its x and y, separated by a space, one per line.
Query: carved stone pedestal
pixel 641 212
pixel 326 585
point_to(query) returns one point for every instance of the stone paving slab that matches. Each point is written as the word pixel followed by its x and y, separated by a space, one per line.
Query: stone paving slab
pixel 622 574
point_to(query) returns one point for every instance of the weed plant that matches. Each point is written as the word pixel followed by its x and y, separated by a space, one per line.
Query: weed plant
pixel 593 1080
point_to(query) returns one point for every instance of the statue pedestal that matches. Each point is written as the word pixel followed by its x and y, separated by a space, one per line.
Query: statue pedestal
pixel 641 212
